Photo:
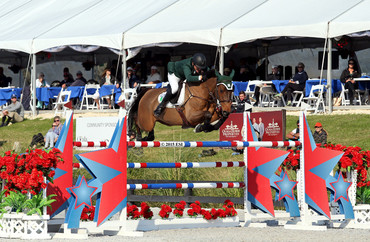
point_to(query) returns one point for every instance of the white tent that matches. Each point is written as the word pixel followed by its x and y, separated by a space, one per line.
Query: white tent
pixel 193 21
pixel 352 21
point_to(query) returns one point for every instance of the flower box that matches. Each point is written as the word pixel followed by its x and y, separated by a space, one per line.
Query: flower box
pixel 180 223
pixel 21 226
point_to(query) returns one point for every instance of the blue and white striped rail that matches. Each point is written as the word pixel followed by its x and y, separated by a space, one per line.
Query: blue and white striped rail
pixel 171 144
pixel 186 185
pixel 187 164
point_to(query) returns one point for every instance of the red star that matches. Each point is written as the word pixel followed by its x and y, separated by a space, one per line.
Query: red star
pixel 109 167
pixel 262 164
pixel 319 162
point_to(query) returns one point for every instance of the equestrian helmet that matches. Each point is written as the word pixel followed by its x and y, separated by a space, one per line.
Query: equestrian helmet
pixel 199 60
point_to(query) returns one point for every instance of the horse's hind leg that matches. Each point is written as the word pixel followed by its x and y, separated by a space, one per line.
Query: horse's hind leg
pixel 150 136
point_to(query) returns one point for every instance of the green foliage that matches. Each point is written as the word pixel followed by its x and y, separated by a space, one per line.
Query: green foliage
pixel 363 195
pixel 38 202
pixel 15 200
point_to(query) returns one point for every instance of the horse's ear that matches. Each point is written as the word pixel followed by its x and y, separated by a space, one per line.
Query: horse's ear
pixel 232 74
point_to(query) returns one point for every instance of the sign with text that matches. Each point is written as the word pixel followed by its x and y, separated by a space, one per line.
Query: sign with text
pixel 269 125
pixel 95 128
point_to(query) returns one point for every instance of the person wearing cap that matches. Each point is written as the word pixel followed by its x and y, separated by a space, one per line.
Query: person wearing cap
pixel 320 135
pixel 154 76
pixel 347 79
pixel 297 84
pixel 80 80
pixel 12 113
pixel 132 79
pixel 190 69
pixel 67 76
pixel 274 75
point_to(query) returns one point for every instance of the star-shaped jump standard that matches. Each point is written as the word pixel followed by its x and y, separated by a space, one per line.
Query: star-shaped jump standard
pixel 64 170
pixel 286 187
pixel 318 163
pixel 81 198
pixel 340 188
pixel 262 164
pixel 108 168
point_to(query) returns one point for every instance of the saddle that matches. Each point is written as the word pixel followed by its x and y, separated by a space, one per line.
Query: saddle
pixel 178 99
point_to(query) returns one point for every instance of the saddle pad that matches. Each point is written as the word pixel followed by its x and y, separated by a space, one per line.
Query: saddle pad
pixel 179 102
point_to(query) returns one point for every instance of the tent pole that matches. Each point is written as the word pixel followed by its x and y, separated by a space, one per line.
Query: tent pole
pixel 124 67
pixel 222 60
pixel 329 67
pixel 33 82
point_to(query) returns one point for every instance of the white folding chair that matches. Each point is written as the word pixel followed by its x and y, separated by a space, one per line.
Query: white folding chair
pixel 297 98
pixel 63 98
pixel 316 99
pixel 249 92
pixel 267 97
pixel 345 99
pixel 89 96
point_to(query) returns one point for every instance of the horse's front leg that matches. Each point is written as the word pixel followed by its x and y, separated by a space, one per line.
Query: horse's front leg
pixel 206 126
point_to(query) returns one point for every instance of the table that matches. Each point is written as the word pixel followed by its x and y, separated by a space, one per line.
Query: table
pixel 363 82
pixel 6 94
pixel 44 94
pixel 109 90
pixel 335 85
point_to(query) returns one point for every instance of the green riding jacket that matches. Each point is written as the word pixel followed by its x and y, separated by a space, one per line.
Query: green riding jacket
pixel 184 70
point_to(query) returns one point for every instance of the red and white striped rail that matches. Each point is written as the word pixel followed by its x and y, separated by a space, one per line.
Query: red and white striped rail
pixel 90 144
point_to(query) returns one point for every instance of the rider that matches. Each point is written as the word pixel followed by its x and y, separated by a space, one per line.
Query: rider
pixel 189 69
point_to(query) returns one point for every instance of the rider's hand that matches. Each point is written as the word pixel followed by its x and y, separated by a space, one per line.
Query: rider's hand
pixel 204 77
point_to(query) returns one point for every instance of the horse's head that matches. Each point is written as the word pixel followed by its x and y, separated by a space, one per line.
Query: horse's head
pixel 224 95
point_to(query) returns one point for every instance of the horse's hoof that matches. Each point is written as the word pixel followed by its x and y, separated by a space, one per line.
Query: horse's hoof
pixel 198 128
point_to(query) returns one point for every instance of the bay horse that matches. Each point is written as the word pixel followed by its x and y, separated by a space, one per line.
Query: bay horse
pixel 204 102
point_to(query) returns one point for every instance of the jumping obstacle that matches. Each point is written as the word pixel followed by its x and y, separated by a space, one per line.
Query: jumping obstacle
pixel 90 144
pixel 305 212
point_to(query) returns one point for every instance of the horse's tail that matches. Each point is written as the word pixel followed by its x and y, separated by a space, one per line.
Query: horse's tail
pixel 132 114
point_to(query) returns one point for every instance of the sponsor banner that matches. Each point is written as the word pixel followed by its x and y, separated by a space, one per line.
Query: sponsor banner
pixel 95 129
pixel 269 125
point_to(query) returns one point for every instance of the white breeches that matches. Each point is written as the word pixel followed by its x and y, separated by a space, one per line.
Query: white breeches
pixel 174 82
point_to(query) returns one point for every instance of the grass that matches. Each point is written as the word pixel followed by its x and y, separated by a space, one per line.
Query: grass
pixel 349 130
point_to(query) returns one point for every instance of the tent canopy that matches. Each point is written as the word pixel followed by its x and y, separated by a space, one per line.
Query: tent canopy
pixel 35 25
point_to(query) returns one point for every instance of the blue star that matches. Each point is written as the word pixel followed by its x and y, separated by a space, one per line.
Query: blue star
pixel 286 187
pixel 341 188
pixel 82 193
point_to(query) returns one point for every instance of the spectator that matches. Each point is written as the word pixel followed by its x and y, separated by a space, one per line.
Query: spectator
pixel 67 76
pixel 59 125
pixel 3 78
pixel 294 134
pixel 274 75
pixel 154 76
pixel 132 79
pixel 80 80
pixel 41 82
pixel 241 103
pixel 347 79
pixel 320 135
pixel 107 79
pixel 12 113
pixel 51 137
pixel 297 84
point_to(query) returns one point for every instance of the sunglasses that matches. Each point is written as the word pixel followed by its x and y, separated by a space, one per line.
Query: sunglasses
pixel 300 66
pixel 56 120
pixel 351 63
pixel 317 126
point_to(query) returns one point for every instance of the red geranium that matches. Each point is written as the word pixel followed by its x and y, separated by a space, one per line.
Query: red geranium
pixel 165 211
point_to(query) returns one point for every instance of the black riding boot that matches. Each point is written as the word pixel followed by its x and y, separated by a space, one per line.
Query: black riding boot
pixel 5 121
pixel 162 105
